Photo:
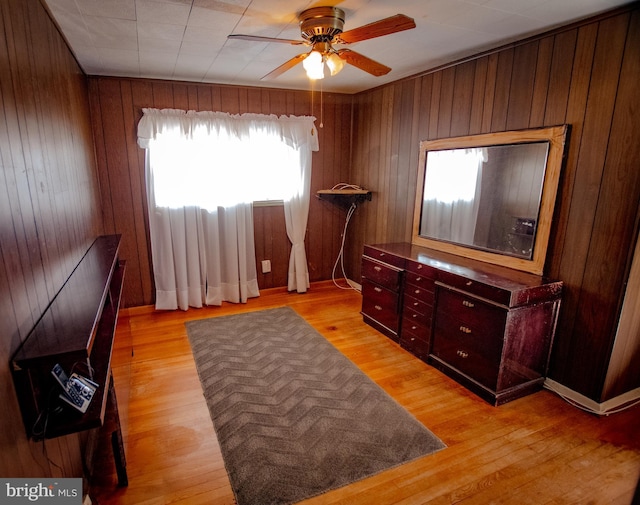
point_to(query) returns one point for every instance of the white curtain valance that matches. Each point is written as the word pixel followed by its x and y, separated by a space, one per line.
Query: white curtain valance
pixel 296 131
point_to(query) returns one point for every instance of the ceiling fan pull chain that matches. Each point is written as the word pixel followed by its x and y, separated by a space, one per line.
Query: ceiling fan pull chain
pixel 321 108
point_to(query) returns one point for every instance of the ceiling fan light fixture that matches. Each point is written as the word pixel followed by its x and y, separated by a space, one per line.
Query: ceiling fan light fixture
pixel 320 27
pixel 335 63
pixel 314 65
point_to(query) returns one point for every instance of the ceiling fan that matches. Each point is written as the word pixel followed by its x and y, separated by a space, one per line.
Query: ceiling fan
pixel 320 28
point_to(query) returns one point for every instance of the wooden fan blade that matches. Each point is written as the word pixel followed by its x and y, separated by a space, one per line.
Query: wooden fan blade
pixel 363 63
pixel 257 38
pixel 386 26
pixel 285 66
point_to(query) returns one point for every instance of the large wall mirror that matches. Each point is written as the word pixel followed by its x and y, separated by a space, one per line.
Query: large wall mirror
pixel 490 197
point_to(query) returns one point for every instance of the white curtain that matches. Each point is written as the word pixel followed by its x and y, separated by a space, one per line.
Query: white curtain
pixel 296 214
pixel 452 194
pixel 204 170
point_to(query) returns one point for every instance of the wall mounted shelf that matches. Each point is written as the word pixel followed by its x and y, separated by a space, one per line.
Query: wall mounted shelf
pixel 357 195
pixel 76 331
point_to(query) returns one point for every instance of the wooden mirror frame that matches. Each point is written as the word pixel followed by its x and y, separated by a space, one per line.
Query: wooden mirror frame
pixel 556 136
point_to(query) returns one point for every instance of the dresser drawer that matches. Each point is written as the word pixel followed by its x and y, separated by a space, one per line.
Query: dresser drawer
pixel 421 306
pixel 469 325
pixel 493 293
pixel 380 304
pixel 479 316
pixel 415 344
pixel 417 311
pixel 416 327
pixel 420 281
pixel 385 257
pixel 466 360
pixel 420 293
pixel 485 343
pixel 422 270
pixel 381 273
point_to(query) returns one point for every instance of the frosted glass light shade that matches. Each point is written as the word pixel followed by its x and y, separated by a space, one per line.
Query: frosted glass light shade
pixel 335 63
pixel 314 65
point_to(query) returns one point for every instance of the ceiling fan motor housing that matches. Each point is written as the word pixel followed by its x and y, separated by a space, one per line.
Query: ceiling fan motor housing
pixel 321 24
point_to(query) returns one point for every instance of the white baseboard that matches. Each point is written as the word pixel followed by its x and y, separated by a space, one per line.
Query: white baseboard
pixel 603 409
pixel 355 285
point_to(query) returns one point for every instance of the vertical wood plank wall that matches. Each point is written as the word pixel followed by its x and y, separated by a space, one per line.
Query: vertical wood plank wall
pixel 586 76
pixel 116 108
pixel 49 207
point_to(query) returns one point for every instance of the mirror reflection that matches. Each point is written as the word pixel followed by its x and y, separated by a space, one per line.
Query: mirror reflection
pixel 487 198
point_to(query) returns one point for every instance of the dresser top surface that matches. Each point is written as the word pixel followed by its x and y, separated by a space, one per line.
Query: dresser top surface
pixel 486 273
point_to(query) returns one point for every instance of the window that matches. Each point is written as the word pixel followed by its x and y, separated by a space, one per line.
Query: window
pixel 199 163
pixel 214 169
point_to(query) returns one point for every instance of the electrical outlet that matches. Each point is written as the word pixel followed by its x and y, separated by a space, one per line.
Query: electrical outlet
pixel 266 266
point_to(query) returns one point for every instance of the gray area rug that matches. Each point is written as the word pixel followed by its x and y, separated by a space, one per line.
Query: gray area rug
pixel 294 417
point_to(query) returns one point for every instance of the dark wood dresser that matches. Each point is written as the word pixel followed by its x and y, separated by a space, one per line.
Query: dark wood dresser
pixel 488 327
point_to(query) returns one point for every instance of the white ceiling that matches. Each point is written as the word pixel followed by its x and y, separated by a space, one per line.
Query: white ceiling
pixel 186 40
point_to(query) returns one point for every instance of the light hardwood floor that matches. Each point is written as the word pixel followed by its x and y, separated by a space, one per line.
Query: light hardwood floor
pixel 535 450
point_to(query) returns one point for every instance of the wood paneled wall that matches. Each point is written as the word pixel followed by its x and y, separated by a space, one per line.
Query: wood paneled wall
pixel 116 107
pixel 49 207
pixel 585 75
